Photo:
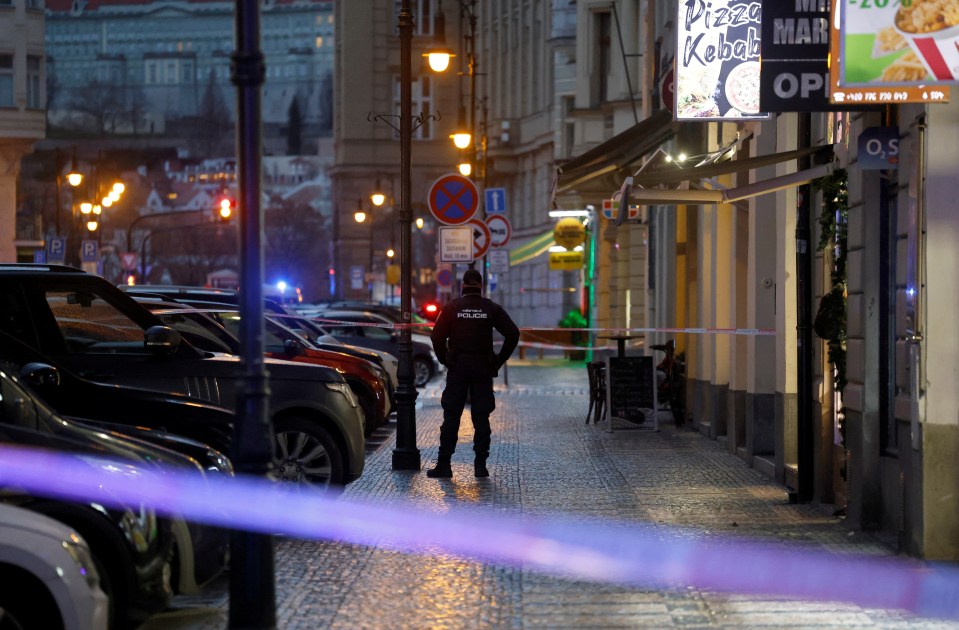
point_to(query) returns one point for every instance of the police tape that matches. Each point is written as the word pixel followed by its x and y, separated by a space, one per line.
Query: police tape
pixel 615 552
pixel 399 326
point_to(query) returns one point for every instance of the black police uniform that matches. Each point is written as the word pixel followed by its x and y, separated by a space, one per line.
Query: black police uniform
pixel 463 341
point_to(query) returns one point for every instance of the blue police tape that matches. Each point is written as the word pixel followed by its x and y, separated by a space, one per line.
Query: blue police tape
pixel 577 548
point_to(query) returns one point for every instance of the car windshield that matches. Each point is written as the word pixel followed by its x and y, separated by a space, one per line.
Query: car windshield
pixel 90 324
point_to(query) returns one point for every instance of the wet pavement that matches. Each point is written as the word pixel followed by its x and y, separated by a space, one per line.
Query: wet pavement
pixel 546 462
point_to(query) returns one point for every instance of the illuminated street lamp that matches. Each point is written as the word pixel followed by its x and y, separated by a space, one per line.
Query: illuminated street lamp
pixel 439 55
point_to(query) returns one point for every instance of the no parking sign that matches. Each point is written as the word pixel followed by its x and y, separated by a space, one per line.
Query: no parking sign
pixel 453 199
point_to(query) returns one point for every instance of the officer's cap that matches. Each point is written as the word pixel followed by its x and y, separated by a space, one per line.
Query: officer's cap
pixel 472 278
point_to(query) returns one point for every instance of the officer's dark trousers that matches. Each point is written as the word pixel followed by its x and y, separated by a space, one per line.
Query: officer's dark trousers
pixel 469 375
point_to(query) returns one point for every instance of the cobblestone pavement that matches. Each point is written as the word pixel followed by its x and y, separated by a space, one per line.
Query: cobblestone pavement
pixel 545 461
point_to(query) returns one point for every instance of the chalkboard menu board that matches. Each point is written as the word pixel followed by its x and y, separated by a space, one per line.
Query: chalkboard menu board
pixel 630 389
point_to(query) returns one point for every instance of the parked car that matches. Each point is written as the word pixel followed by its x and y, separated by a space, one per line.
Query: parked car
pixel 92 329
pixel 198 553
pixel 218 328
pixel 368 381
pixel 370 330
pixel 131 547
pixel 71 395
pixel 48 575
pixel 205 298
pixel 201 552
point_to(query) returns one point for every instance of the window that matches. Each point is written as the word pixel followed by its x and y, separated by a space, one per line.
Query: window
pixel 602 67
pixel 16 406
pixel 422 15
pixel 152 74
pixel 188 72
pixel 33 83
pixel 422 97
pixel 170 71
pixel 91 325
pixel 6 80
pixel 319 41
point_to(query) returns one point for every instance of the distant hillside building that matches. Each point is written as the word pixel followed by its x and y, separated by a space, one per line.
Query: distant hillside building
pixel 141 67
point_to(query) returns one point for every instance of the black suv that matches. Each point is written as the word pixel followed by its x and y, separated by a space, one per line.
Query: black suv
pixel 94 330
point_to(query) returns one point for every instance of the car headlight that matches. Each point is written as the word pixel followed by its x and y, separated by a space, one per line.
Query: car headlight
pixel 344 389
pixel 219 463
pixel 85 564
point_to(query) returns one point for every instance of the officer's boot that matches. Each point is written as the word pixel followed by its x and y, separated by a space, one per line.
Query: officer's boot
pixel 479 466
pixel 442 470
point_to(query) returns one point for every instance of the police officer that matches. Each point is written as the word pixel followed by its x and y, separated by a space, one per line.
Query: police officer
pixel 463 342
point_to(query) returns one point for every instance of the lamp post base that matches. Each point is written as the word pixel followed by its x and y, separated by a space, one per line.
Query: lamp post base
pixel 406 456
pixel 406 459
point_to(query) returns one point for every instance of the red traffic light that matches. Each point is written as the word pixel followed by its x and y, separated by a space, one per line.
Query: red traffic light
pixel 226 209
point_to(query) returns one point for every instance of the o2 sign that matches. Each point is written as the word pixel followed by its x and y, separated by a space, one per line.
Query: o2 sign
pixel 878 148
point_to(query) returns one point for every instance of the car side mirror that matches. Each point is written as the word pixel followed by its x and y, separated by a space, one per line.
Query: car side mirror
pixel 395 337
pixel 161 340
pixel 40 376
pixel 293 347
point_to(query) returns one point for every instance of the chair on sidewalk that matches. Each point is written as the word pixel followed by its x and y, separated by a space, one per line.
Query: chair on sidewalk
pixel 596 370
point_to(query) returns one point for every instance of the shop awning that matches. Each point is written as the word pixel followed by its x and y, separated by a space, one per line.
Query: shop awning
pixel 694 185
pixel 614 159
pixel 531 248
pixel 661 196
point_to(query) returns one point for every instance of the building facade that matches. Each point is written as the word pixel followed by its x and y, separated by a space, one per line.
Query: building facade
pixel 158 68
pixel 22 119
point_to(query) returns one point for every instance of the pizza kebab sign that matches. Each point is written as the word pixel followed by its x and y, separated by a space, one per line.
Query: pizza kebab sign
pixel 717 68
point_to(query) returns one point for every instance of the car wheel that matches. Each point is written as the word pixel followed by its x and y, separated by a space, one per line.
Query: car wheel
pixel 306 453
pixel 422 372
pixel 26 603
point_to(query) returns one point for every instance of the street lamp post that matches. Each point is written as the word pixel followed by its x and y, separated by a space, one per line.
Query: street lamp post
pixel 406 456
pixel 252 579
pixel 73 177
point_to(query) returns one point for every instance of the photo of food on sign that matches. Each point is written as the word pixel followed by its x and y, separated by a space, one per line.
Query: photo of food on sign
pixel 717 65
pixel 909 42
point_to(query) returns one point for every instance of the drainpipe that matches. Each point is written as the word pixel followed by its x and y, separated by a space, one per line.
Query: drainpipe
pixel 915 336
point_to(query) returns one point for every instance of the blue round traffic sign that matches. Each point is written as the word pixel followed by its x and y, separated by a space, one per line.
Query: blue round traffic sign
pixel 444 278
pixel 453 199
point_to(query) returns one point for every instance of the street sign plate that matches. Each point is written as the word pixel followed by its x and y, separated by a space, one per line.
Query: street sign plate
pixel 39 256
pixel 495 201
pixel 57 250
pixel 453 199
pixel 128 260
pixel 565 261
pixel 89 250
pixel 498 260
pixel 456 244
pixel 444 277
pixel 356 277
pixel 499 229
pixel 481 238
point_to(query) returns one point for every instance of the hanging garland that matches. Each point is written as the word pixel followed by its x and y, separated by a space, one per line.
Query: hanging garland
pixel 830 321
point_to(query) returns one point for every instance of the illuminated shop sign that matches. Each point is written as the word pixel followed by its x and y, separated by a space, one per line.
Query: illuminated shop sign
pixel 894 51
pixel 717 60
pixel 795 51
